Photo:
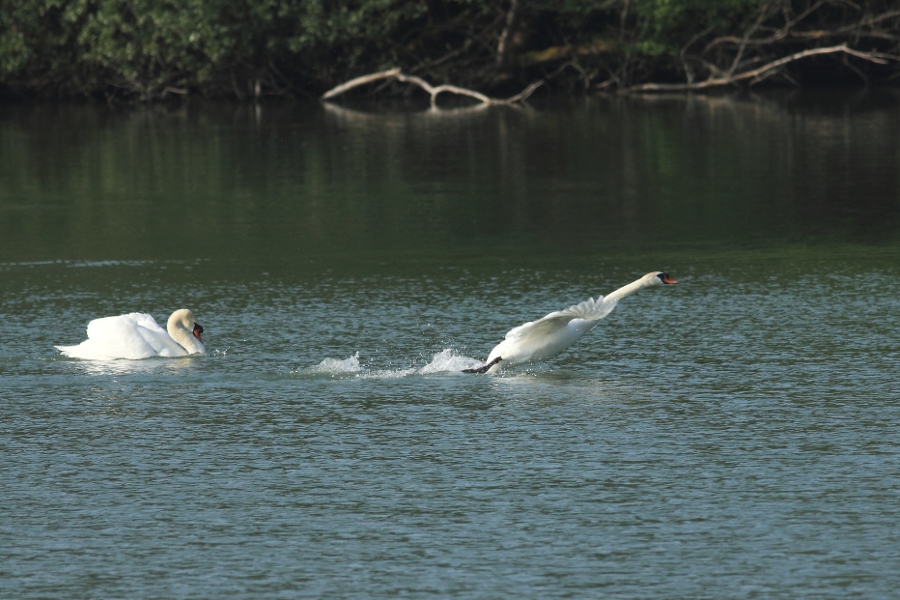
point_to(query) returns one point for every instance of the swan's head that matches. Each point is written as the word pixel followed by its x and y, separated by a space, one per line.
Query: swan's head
pixel 659 278
pixel 184 319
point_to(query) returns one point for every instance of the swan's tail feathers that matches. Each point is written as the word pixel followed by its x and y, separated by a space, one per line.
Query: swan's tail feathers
pixel 483 368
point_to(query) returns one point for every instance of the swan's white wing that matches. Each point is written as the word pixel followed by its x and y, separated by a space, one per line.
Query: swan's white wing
pixel 122 336
pixel 134 336
pixel 155 336
pixel 589 310
pixel 547 337
pixel 538 329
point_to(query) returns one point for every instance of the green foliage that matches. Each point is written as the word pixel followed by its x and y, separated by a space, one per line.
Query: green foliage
pixel 149 46
pixel 665 26
pixel 148 49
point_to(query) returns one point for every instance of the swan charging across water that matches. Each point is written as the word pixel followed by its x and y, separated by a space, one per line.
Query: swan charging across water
pixel 547 337
pixel 137 335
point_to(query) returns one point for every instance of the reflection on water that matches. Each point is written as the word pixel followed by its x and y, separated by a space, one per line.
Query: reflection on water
pixel 150 366
pixel 288 180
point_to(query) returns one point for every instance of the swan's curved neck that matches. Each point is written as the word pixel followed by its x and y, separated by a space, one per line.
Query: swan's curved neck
pixel 627 290
pixel 185 339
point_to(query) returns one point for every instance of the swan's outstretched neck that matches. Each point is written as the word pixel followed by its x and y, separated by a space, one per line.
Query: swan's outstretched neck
pixel 650 279
pixel 626 290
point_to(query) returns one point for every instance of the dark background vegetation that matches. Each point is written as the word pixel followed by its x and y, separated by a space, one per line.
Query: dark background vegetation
pixel 151 49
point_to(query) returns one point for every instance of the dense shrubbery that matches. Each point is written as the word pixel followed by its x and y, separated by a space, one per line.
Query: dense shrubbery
pixel 149 49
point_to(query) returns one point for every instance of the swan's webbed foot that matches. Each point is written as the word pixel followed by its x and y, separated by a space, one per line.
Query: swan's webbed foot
pixel 484 368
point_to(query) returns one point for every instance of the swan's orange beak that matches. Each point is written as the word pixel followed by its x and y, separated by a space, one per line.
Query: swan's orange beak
pixel 668 280
pixel 198 329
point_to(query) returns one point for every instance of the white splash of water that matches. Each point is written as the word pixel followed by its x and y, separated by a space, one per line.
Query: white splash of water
pixel 448 361
pixel 445 361
pixel 337 366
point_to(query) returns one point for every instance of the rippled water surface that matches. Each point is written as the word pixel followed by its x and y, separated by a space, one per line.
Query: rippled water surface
pixel 734 436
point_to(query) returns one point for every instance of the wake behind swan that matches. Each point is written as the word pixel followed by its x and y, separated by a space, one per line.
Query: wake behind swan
pixel 445 361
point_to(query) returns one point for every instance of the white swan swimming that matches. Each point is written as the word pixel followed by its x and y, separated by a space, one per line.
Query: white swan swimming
pixel 137 335
pixel 547 337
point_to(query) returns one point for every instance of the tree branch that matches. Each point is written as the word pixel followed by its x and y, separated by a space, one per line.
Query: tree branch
pixel 785 32
pixel 503 44
pixel 762 72
pixel 358 81
pixel 433 91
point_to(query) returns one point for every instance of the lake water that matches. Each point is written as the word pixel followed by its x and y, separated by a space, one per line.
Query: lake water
pixel 734 436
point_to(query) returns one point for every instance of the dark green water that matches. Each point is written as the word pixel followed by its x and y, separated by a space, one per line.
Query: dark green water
pixel 736 436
